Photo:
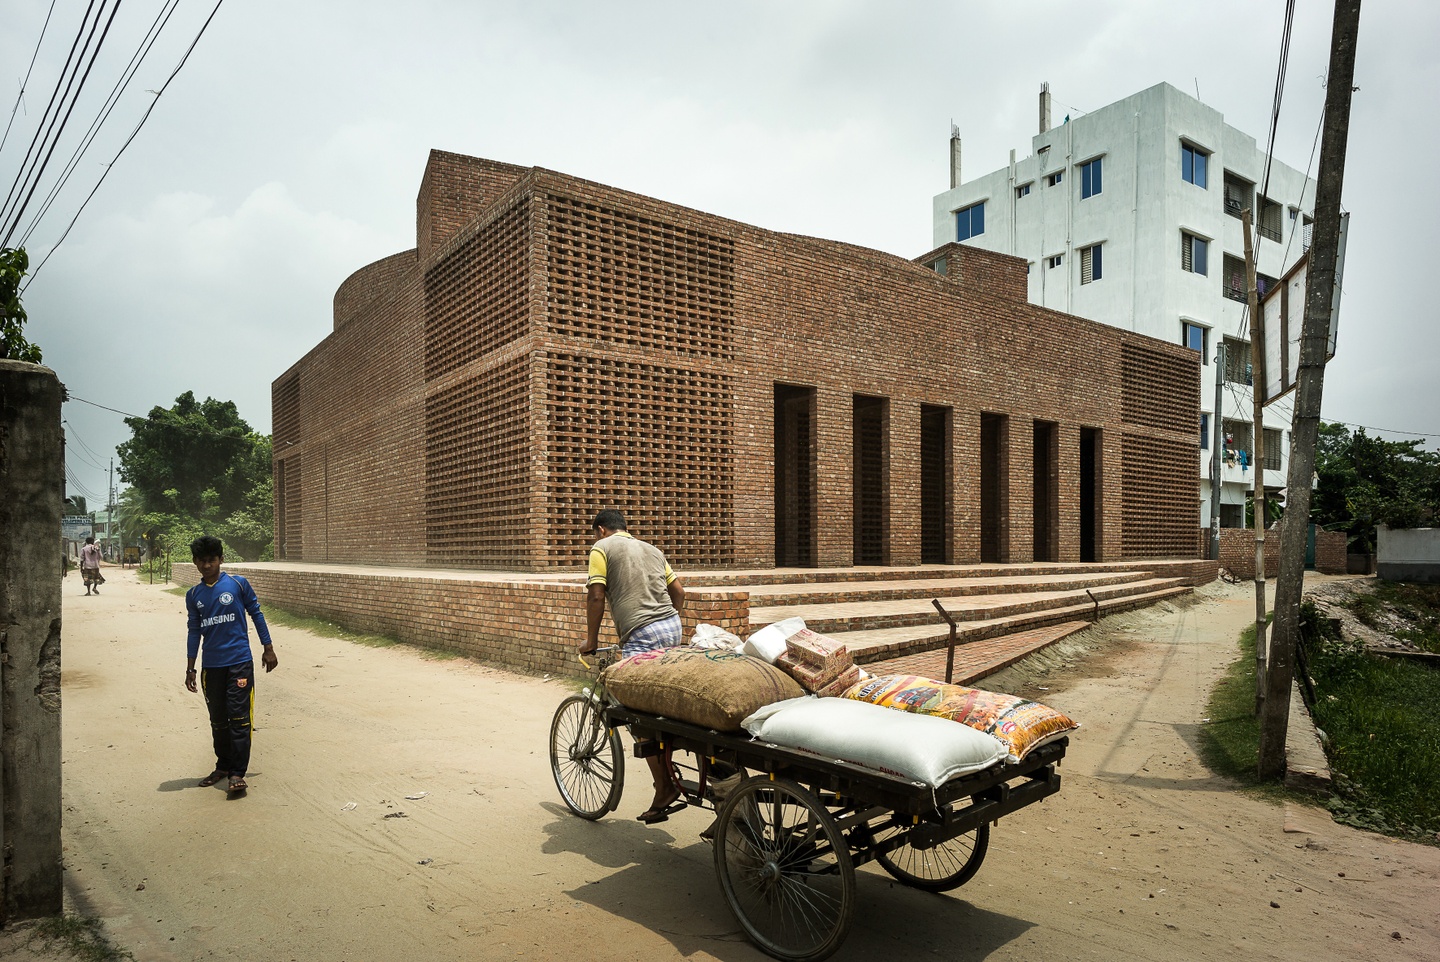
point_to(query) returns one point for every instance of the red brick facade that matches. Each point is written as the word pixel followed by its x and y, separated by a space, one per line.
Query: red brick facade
pixel 1237 551
pixel 747 398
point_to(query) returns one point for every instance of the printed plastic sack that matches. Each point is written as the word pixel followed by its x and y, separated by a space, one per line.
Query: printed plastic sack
pixel 917 748
pixel 769 642
pixel 715 638
pixel 714 689
pixel 1022 725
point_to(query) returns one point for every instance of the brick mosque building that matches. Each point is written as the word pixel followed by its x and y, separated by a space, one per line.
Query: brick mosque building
pixel 750 399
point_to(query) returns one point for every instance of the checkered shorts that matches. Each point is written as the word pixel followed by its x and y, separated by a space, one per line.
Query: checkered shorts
pixel 665 633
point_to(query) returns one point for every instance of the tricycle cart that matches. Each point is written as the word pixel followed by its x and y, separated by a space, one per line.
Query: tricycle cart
pixel 788 837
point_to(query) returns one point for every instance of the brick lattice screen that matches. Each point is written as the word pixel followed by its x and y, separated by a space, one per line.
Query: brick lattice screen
pixel 1158 498
pixel 477 296
pixel 632 280
pixel 1156 390
pixel 654 442
pixel 477 464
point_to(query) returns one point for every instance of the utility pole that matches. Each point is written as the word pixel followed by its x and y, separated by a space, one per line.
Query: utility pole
pixel 1257 389
pixel 1216 451
pixel 1309 386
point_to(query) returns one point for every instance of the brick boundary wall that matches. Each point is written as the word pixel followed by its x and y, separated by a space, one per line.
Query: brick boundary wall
pixel 1237 551
pixel 533 626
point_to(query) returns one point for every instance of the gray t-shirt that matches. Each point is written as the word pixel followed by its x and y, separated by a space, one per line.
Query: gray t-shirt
pixel 636 576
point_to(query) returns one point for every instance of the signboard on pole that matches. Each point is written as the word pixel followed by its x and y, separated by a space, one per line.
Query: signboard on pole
pixel 1283 308
pixel 76 527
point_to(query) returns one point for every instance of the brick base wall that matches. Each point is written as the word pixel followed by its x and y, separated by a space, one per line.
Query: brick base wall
pixel 1237 551
pixel 530 625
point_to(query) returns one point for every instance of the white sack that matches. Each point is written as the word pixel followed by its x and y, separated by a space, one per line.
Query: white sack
pixel 920 748
pixel 769 642
pixel 714 637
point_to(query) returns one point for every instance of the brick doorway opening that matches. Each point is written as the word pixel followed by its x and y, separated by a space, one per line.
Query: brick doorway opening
pixel 935 507
pixel 1089 494
pixel 871 465
pixel 1046 490
pixel 994 478
pixel 794 476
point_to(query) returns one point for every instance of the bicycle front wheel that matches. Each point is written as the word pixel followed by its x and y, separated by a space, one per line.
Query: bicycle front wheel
pixel 586 758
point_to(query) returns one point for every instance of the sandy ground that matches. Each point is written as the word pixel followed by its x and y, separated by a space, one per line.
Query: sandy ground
pixel 1142 855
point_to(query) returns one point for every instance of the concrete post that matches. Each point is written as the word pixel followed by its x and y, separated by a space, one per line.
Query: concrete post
pixel 32 478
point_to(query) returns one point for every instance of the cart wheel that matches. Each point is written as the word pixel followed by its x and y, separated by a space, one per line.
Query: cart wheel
pixel 586 758
pixel 785 869
pixel 947 866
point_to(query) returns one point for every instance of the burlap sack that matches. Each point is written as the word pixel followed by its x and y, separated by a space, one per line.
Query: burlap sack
pixel 714 689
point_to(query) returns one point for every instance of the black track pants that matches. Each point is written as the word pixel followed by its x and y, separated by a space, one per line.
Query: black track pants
pixel 230 696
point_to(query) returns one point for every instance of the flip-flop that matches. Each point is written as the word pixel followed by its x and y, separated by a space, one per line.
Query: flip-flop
pixel 213 777
pixel 653 815
pixel 237 785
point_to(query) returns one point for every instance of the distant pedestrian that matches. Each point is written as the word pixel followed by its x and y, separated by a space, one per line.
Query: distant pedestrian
pixel 90 566
pixel 216 610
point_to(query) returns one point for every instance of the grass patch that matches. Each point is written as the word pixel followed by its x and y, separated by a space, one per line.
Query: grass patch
pixel 329 629
pixel 1230 740
pixel 1384 746
pixel 1410 612
pixel 82 938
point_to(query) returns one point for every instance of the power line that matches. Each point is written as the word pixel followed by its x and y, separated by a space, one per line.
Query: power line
pixel 19 174
pixel 147 43
pixel 26 82
pixel 111 166
pixel 13 220
pixel 177 425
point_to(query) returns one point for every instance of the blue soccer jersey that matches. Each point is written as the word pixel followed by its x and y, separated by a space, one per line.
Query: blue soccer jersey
pixel 217 614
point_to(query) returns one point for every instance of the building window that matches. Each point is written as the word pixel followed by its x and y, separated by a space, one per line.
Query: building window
pixel 1193 164
pixel 1233 279
pixel 1237 443
pixel 1195 337
pixel 1022 191
pixel 1237 360
pixel 1269 225
pixel 1264 284
pixel 1239 194
pixel 1052 179
pixel 1089 264
pixel 939 265
pixel 1193 253
pixel 1090 178
pixel 1055 261
pixel 970 222
pixel 1204 431
pixel 1306 231
pixel 1274 449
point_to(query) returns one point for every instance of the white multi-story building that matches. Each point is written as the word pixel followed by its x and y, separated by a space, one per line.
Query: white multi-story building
pixel 1130 216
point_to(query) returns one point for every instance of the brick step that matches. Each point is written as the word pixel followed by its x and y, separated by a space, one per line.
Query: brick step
pixel 785 595
pixel 979 658
pixel 834 619
pixel 886 643
pixel 1165 567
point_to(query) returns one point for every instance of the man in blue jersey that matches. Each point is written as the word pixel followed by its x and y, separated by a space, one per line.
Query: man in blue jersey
pixel 216 609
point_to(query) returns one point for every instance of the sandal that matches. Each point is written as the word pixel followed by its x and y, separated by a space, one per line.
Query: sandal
pixel 212 778
pixel 237 785
pixel 659 813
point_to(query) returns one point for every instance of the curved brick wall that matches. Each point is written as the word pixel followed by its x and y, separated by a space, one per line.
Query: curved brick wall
pixel 361 288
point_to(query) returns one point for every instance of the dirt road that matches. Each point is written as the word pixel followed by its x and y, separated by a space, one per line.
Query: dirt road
pixel 1142 855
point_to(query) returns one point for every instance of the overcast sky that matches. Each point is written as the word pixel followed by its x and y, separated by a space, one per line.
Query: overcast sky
pixel 288 151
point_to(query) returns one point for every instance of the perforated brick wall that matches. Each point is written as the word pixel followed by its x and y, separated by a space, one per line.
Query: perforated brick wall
pixel 560 346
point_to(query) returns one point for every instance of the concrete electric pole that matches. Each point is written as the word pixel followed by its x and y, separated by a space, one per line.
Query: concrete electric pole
pixel 1309 386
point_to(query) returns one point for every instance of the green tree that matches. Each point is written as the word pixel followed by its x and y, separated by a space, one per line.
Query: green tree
pixel 1367 481
pixel 177 454
pixel 197 468
pixel 14 262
